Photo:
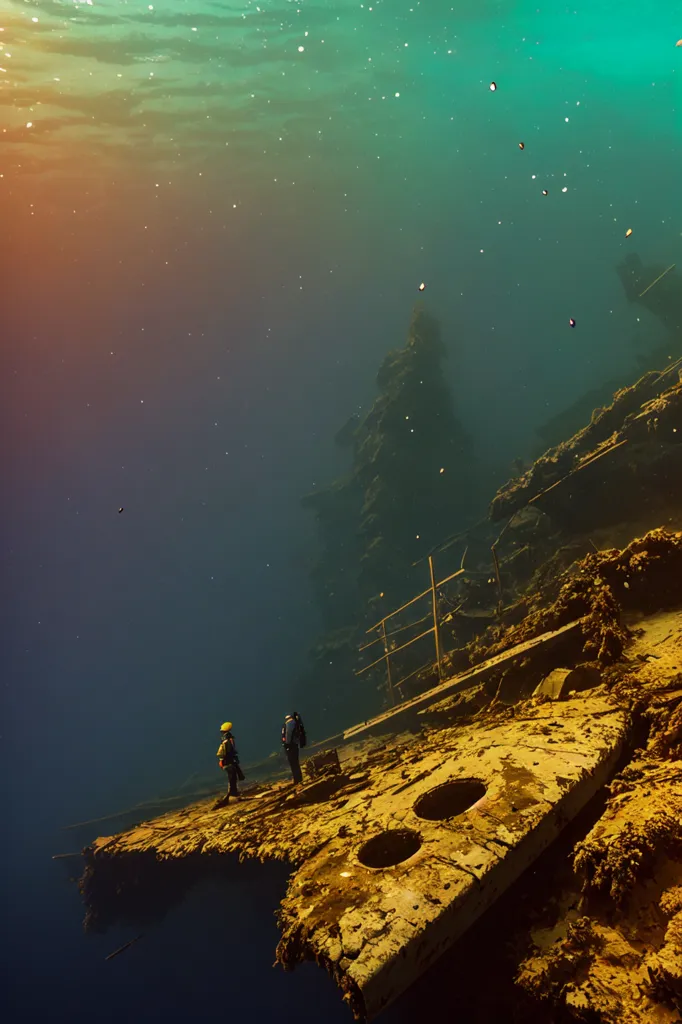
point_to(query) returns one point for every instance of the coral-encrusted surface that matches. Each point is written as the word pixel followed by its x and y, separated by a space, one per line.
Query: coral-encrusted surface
pixel 618 959
pixel 645 575
pixel 642 822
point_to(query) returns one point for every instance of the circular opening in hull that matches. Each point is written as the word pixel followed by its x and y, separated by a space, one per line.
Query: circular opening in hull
pixel 389 848
pixel 449 799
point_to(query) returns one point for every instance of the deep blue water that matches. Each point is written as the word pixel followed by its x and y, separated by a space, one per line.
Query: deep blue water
pixel 216 216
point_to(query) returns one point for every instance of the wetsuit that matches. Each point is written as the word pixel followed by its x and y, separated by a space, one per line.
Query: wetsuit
pixel 290 741
pixel 227 752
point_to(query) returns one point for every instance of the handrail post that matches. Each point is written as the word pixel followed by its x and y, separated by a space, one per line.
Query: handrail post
pixel 434 608
pixel 391 695
pixel 498 580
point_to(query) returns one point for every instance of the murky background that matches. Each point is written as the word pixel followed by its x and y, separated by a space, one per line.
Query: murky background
pixel 215 221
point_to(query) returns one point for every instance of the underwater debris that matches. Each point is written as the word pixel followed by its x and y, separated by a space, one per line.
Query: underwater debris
pixel 422 287
pixel 493 86
pixel 614 864
pixel 652 565
pixel 659 278
pixel 571 322
pixel 522 145
pixel 628 232
pixel 122 949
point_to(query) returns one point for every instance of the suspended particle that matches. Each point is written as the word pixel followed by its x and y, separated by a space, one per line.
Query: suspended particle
pixel 422 287
pixel 679 42
pixel 628 232
pixel 571 322
pixel 442 469
pixel 522 145
pixel 120 510
pixel 493 86
pixel 545 192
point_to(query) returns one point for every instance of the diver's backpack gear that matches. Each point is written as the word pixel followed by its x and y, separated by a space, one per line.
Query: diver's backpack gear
pixel 227 752
pixel 299 733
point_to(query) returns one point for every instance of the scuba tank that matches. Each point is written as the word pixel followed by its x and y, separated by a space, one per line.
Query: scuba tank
pixel 302 739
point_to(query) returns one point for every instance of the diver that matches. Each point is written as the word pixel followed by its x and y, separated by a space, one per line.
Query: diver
pixel 228 759
pixel 293 738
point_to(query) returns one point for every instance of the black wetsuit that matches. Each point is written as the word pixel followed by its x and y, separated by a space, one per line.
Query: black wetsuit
pixel 290 741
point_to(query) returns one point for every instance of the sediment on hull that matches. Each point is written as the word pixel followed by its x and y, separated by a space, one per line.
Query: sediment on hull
pixel 613 952
pixel 424 866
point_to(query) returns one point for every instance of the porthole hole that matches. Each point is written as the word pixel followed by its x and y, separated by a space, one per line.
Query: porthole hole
pixel 389 848
pixel 449 799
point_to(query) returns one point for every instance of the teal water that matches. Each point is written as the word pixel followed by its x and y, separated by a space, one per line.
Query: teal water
pixel 216 218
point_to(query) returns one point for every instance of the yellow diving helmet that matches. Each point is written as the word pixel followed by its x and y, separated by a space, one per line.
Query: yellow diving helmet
pixel 226 726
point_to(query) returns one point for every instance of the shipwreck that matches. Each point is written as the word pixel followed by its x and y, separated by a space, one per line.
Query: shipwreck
pixel 416 821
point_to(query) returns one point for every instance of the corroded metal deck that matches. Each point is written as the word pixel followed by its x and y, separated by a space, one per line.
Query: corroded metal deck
pixel 393 859
pixel 423 853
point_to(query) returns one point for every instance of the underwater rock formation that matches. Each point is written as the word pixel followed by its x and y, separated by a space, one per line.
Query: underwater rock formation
pixel 413 461
pixel 409 483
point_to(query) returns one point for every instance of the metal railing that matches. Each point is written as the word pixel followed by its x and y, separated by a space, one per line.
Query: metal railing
pixel 494 575
pixel 434 629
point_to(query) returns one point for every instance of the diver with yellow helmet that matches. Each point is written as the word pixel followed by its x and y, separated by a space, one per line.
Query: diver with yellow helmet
pixel 228 759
